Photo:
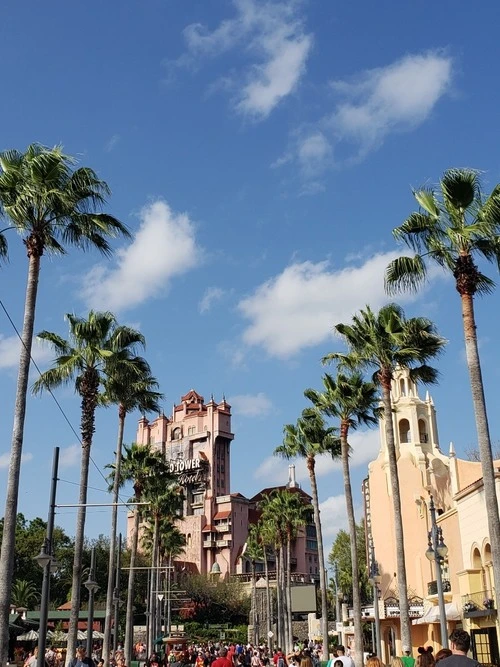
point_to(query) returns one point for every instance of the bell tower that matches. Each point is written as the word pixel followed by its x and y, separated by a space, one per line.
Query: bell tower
pixel 414 419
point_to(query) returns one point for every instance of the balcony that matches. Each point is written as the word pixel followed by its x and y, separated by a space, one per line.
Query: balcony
pixel 223 527
pixel 479 604
pixel 209 543
pixel 223 543
pixel 433 590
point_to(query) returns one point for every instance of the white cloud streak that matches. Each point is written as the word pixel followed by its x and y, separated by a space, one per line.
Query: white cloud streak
pixel 299 307
pixel 163 247
pixel 273 34
pixel 70 456
pixel 10 348
pixel 5 459
pixel 211 296
pixel 367 109
pixel 251 405
pixel 365 447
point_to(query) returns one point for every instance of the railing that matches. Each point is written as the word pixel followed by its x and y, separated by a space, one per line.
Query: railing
pixel 480 601
pixel 296 577
pixel 392 609
pixel 223 527
pixel 210 544
pixel 424 437
pixel 433 590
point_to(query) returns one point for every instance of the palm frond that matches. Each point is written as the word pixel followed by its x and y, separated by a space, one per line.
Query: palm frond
pixel 405 274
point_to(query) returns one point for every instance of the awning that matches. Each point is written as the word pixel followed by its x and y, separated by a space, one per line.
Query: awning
pixel 222 515
pixel 432 614
pixel 208 529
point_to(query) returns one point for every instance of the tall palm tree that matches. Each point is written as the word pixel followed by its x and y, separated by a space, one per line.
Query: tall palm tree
pixel 266 533
pixel 138 464
pixel 381 342
pixel 97 348
pixel 292 511
pixel 52 206
pixel 133 389
pixel 308 439
pixel 272 522
pixel 353 402
pixel 165 503
pixel 254 552
pixel 455 228
pixel 173 545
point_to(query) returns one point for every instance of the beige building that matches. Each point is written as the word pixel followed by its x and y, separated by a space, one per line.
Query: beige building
pixel 456 487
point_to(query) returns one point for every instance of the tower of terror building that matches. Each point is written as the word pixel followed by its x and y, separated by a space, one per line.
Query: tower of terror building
pixel 196 442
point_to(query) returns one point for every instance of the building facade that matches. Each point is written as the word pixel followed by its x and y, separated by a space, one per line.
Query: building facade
pixel 455 486
pixel 196 441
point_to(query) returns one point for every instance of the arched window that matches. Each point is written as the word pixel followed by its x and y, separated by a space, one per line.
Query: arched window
pixel 422 431
pixel 188 539
pixel 477 563
pixel 402 387
pixel 404 431
pixel 176 434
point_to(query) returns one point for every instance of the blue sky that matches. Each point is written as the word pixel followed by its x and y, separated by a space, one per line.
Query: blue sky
pixel 261 153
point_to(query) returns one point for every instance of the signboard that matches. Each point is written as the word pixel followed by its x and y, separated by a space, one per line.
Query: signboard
pixel 304 599
pixel 189 471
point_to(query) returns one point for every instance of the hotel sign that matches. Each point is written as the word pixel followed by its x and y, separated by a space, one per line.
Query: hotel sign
pixel 189 471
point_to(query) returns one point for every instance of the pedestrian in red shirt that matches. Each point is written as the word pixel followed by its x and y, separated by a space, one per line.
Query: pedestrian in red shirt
pixel 222 660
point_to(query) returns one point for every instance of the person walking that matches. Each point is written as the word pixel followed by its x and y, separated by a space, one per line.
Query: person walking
pixel 459 645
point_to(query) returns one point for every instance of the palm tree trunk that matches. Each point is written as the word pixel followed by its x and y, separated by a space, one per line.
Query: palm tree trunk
pixel 89 389
pixel 268 599
pixel 9 527
pixel 254 604
pixel 404 612
pixel 321 556
pixel 129 619
pixel 284 565
pixel 106 646
pixel 154 587
pixel 483 435
pixel 279 598
pixel 289 590
pixel 351 520
pixel 77 561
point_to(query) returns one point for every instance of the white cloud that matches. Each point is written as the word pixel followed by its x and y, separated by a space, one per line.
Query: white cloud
pixel 273 34
pixel 299 307
pixel 212 294
pixel 112 143
pixel 10 347
pixel 163 247
pixel 376 103
pixel 398 97
pixel 5 459
pixel 69 457
pixel 251 405
pixel 365 446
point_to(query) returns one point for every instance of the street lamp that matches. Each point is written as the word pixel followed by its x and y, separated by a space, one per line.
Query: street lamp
pixel 92 586
pixel 375 580
pixel 437 551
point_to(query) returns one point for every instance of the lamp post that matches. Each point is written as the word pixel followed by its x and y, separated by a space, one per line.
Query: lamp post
pixel 92 586
pixel 375 580
pixel 338 617
pixel 161 615
pixel 436 551
pixel 47 562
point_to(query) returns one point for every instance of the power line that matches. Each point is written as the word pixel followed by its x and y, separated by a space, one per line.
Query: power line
pixel 61 410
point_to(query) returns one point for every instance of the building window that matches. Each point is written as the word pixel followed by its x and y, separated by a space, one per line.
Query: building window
pixel 198 511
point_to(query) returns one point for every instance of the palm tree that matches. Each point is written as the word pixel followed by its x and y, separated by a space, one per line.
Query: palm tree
pixel 308 439
pixel 97 348
pixel 454 229
pixel 354 403
pixel 266 533
pixel 382 342
pixel 138 464
pixel 134 389
pixel 254 552
pixel 173 545
pixel 51 205
pixel 24 594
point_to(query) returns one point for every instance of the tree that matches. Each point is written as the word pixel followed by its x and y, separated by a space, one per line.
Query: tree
pixel 382 342
pixel 97 348
pixel 132 387
pixel 24 594
pixel 173 544
pixel 341 557
pixel 254 552
pixel 354 403
pixel 454 228
pixel 51 205
pixel 308 439
pixel 138 464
